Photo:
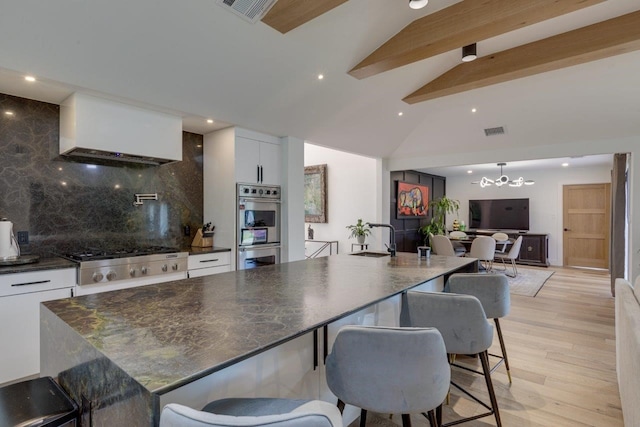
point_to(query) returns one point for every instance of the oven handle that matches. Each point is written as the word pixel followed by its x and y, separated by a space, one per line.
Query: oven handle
pixel 257 200
pixel 257 247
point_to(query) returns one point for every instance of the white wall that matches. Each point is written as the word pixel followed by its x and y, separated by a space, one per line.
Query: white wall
pixel 293 199
pixel 545 198
pixel 352 191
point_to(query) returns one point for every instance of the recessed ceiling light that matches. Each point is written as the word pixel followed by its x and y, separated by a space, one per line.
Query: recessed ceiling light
pixel 199 145
pixel 63 183
pixel 417 4
pixel 400 113
pixel 320 76
pixel 30 78
pixel 209 120
pixel 469 171
pixel 9 113
pixel 565 165
pixel 473 110
pixel 116 186
pixel 59 169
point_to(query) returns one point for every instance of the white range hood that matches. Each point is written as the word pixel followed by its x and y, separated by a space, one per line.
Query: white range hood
pixel 96 128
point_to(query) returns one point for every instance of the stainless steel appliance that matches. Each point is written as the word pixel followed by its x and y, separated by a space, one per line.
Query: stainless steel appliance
pixel 258 225
pixel 101 270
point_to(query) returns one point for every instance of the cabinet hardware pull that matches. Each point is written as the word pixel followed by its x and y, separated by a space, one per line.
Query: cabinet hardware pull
pixel 258 169
pixel 31 283
pixel 261 174
pixel 210 260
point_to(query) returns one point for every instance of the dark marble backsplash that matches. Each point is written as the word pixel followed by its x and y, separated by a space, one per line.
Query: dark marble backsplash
pixel 66 205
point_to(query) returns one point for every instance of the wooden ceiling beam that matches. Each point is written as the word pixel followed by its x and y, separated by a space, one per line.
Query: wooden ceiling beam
pixel 608 38
pixel 464 23
pixel 286 15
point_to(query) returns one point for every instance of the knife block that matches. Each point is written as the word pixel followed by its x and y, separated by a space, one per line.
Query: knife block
pixel 203 240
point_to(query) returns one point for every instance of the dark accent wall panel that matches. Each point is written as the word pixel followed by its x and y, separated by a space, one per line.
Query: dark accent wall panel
pixel 71 205
pixel 408 238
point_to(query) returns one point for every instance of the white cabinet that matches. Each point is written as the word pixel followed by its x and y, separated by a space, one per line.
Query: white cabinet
pixel 257 161
pixel 207 264
pixel 20 298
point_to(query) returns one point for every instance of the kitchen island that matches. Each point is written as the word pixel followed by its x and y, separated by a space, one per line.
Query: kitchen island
pixel 122 355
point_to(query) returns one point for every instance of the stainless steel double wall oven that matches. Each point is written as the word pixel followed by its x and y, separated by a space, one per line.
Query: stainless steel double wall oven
pixel 258 225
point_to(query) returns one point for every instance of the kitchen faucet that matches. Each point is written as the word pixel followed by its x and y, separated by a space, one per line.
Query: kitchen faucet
pixel 391 247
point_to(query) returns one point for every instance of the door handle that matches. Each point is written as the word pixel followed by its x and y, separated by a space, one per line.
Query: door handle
pixel 567 229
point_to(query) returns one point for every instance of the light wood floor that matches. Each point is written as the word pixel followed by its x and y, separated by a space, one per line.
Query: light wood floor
pixel 561 347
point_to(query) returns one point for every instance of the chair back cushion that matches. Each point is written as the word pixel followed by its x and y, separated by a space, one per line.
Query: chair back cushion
pixel 515 248
pixel 459 318
pixel 389 370
pixel 500 237
pixel 441 245
pixel 491 289
pixel 483 248
pixel 175 415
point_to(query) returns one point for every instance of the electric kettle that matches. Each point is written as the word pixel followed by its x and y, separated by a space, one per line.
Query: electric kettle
pixel 9 248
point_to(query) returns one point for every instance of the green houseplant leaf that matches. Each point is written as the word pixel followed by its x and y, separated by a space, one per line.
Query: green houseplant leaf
pixel 359 229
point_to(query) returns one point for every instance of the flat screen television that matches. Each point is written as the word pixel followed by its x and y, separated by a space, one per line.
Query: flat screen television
pixel 499 214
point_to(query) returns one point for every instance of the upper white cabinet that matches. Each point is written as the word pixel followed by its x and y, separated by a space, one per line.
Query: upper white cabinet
pixel 257 161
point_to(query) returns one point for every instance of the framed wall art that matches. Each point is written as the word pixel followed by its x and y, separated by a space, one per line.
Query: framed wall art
pixel 315 193
pixel 412 200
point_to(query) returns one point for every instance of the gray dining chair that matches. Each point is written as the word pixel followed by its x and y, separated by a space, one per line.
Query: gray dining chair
pixel 483 248
pixel 465 330
pixel 253 412
pixel 493 292
pixel 501 239
pixel 441 245
pixel 389 370
pixel 512 255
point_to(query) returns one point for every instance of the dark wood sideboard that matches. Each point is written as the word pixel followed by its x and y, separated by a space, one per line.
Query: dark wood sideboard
pixel 534 249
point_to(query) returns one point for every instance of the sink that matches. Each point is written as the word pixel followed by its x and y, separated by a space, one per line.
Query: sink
pixel 370 254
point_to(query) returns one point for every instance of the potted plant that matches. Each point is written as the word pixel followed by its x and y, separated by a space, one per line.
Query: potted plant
pixel 360 230
pixel 441 207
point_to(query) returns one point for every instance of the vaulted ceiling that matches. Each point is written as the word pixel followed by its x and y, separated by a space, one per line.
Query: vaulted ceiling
pixel 548 71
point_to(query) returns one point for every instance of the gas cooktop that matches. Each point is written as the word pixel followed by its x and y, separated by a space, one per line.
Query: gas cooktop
pixel 96 254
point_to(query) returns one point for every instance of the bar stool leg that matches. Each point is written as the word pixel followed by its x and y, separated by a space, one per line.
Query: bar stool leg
pixel 406 420
pixel 484 358
pixel 363 417
pixel 503 348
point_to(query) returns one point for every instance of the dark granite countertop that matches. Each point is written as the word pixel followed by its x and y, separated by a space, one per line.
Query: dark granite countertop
pixel 198 251
pixel 52 263
pixel 167 335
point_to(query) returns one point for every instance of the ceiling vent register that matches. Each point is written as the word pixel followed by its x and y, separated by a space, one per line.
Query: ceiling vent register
pixel 494 131
pixel 249 10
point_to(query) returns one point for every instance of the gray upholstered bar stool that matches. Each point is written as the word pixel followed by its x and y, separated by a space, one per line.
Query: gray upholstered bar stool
pixel 464 328
pixel 493 292
pixel 253 412
pixel 389 370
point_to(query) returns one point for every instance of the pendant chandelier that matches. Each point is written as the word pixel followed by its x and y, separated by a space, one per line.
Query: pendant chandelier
pixel 504 180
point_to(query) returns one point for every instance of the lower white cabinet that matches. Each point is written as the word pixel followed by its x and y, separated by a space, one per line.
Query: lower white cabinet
pixel 20 298
pixel 211 263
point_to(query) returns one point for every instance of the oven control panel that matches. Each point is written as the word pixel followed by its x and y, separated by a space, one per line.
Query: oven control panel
pixel 259 191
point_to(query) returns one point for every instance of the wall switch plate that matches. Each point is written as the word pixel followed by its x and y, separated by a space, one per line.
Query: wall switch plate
pixel 23 237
